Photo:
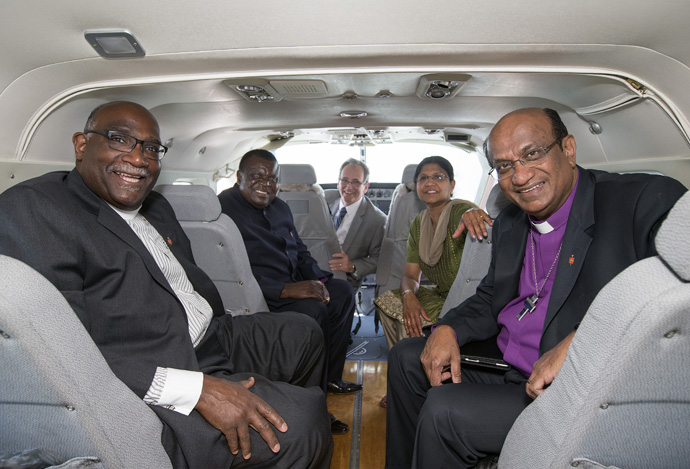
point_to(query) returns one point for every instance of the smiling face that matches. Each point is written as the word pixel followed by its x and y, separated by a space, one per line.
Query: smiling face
pixel 543 189
pixel 121 179
pixel 258 181
pixel 355 187
pixel 433 192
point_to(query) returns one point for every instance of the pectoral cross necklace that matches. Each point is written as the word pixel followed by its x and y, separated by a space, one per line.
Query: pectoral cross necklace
pixel 531 301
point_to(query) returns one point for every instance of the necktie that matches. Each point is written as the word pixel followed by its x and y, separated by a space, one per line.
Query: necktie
pixel 339 218
pixel 199 312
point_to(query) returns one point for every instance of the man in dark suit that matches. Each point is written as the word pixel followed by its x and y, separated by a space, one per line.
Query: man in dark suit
pixel 289 277
pixel 569 232
pixel 358 224
pixel 116 252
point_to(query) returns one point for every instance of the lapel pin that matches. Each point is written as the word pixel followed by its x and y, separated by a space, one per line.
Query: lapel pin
pixel 170 242
pixel 572 259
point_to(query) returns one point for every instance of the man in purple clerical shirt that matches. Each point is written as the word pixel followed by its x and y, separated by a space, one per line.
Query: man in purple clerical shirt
pixel 567 234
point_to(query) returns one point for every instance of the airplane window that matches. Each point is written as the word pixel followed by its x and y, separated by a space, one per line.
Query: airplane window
pixel 386 162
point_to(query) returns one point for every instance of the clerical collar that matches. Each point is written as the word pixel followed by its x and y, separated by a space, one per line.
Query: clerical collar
pixel 559 218
pixel 542 227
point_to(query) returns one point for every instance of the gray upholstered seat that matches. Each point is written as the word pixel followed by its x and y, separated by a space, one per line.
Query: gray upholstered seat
pixel 217 246
pixel 57 393
pixel 476 257
pixel 405 206
pixel 298 188
pixel 622 397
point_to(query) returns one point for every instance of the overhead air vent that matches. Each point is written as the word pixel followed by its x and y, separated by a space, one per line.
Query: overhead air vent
pixel 441 86
pixel 300 88
pixel 452 137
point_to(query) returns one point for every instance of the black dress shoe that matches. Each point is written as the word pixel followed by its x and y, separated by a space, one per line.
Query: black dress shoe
pixel 343 387
pixel 338 427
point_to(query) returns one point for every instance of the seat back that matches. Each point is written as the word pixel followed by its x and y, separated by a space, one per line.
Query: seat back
pixel 217 246
pixel 622 396
pixel 476 257
pixel 298 188
pixel 57 392
pixel 405 206
pixel 331 195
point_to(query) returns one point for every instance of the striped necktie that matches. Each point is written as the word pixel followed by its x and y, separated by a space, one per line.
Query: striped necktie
pixel 339 218
pixel 199 312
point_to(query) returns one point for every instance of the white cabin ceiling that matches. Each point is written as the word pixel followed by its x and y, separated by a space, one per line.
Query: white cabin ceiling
pixel 573 56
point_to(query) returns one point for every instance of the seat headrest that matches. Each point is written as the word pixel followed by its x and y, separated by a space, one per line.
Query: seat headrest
pixel 408 174
pixel 297 174
pixel 192 203
pixel 671 240
pixel 496 201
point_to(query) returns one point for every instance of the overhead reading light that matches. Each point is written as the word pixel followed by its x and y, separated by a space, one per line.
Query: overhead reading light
pixel 114 44
pixel 353 114
pixel 250 89
pixel 440 86
pixel 256 90
pixel 440 89
pixel 254 93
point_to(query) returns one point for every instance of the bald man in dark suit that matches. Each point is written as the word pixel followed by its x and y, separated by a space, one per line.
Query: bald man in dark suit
pixel 118 255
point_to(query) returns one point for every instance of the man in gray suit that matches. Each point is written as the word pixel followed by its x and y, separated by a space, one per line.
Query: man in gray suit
pixel 358 224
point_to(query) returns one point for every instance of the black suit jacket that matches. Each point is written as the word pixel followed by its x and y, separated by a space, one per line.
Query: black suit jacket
pixel 612 224
pixel 58 226
pixel 276 252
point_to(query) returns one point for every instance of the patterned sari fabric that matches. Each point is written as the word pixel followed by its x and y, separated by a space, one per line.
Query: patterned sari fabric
pixel 441 276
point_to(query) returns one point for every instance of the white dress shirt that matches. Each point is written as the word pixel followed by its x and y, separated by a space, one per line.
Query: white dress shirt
pixel 175 389
pixel 344 227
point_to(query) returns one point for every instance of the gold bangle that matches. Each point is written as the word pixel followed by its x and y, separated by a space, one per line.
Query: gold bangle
pixel 402 295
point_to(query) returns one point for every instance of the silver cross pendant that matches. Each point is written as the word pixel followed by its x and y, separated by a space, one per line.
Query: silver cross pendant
pixel 530 304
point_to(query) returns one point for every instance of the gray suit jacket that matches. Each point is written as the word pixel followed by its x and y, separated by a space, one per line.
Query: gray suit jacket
pixel 363 241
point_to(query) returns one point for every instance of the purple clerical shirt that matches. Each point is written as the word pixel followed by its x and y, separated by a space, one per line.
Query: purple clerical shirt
pixel 519 340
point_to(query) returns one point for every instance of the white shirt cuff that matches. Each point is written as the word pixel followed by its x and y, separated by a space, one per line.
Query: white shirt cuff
pixel 181 390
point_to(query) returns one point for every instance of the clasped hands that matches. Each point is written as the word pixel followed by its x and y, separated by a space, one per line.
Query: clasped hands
pixel 306 289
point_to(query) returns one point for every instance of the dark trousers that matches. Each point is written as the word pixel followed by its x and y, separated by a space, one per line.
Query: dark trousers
pixel 335 320
pixel 452 425
pixel 285 355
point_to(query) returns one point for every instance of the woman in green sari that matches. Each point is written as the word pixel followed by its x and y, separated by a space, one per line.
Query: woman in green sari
pixel 431 250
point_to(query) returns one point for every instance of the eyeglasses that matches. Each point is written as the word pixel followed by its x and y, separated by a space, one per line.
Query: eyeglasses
pixel 530 159
pixel 126 143
pixel 435 178
pixel 354 182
